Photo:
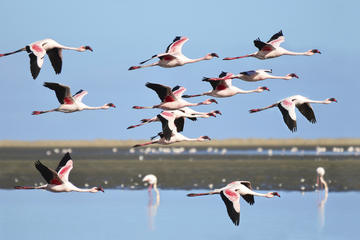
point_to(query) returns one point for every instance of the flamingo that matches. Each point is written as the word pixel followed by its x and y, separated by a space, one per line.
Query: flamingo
pixel 231 193
pixel 287 108
pixel 320 178
pixel 58 180
pixel 68 103
pixel 272 49
pixel 170 132
pixel 254 76
pixel 173 56
pixel 53 49
pixel 224 88
pixel 171 99
pixel 180 114
pixel 151 179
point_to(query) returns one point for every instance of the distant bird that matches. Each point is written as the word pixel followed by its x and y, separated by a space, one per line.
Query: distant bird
pixel 151 179
pixel 272 49
pixel 254 76
pixel 58 180
pixel 224 88
pixel 320 178
pixel 287 108
pixel 231 193
pixel 171 99
pixel 173 56
pixel 170 131
pixel 180 114
pixel 69 103
pixel 53 49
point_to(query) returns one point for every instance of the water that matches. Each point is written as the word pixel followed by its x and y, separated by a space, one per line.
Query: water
pixel 124 214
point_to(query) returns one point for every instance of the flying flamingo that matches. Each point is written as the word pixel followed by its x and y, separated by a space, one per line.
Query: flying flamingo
pixel 224 88
pixel 173 56
pixel 68 103
pixel 181 114
pixel 320 178
pixel 287 108
pixel 58 180
pixel 231 193
pixel 171 99
pixel 170 131
pixel 254 76
pixel 272 49
pixel 53 49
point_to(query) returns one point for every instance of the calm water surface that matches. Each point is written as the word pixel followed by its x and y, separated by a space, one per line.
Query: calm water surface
pixel 126 214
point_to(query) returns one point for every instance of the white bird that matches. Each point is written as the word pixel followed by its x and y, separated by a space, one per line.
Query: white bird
pixel 69 103
pixel 151 179
pixel 224 88
pixel 173 56
pixel 272 49
pixel 53 49
pixel 58 180
pixel 320 178
pixel 180 114
pixel 254 76
pixel 231 193
pixel 171 99
pixel 287 108
pixel 170 131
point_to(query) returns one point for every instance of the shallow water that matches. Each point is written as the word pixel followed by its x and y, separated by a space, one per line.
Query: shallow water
pixel 124 214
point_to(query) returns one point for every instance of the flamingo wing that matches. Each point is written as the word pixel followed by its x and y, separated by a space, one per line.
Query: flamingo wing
pixel 307 111
pixel 36 55
pixel 178 91
pixel 55 55
pixel 249 73
pixel 232 202
pixel 49 175
pixel 164 92
pixel 62 92
pixel 79 95
pixel 249 198
pixel 287 108
pixel 168 126
pixel 176 46
pixel 64 167
pixel 265 47
pixel 276 39
pixel 179 123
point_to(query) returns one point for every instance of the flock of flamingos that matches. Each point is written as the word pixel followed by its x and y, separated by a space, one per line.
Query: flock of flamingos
pixel 175 109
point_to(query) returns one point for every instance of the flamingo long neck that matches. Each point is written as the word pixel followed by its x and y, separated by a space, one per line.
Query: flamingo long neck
pixel 238 90
pixel 196 60
pixel 76 189
pixel 287 77
pixel 10 53
pixel 79 49
pixel 287 52
pixel 320 101
pixel 95 108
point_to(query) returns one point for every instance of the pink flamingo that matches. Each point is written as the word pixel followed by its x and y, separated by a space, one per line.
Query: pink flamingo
pixel 254 76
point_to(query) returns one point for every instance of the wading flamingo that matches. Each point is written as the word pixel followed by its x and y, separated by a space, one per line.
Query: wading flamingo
pixel 58 180
pixel 173 56
pixel 231 193
pixel 53 49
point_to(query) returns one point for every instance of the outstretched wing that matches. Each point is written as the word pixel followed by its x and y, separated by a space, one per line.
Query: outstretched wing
pixel 50 176
pixel 265 47
pixel 64 167
pixel 55 56
pixel 167 121
pixel 287 108
pixel 276 39
pixel 179 123
pixel 307 111
pixel 164 92
pixel 79 95
pixel 249 73
pixel 176 46
pixel 62 92
pixel 36 55
pixel 178 91
pixel 231 200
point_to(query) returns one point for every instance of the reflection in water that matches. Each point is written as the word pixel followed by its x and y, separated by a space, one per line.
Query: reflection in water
pixel 322 198
pixel 152 207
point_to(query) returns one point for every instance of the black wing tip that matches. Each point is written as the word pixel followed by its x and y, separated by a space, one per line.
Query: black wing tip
pixel 67 156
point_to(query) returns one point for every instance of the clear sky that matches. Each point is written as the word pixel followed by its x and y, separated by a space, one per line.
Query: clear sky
pixel 123 33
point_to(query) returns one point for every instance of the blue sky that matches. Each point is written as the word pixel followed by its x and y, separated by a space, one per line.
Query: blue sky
pixel 123 33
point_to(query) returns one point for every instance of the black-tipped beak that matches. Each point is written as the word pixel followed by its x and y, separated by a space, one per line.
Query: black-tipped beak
pixel 214 55
pixel 89 48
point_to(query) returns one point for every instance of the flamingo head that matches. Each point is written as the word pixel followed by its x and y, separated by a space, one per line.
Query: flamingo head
pixel 97 189
pixel 312 52
pixel 204 138
pixel 150 178
pixel 273 194
pixel 109 105
pixel 211 56
pixel 332 100
pixel 213 113
pixel 209 101
pixel 261 89
pixel 293 75
pixel 320 171
pixel 84 48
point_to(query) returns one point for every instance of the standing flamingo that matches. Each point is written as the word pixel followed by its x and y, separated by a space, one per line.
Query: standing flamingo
pixel 180 114
pixel 231 193
pixel 224 88
pixel 69 103
pixel 272 49
pixel 170 131
pixel 254 76
pixel 173 56
pixel 151 179
pixel 287 108
pixel 53 49
pixel 171 99
pixel 320 179
pixel 58 180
